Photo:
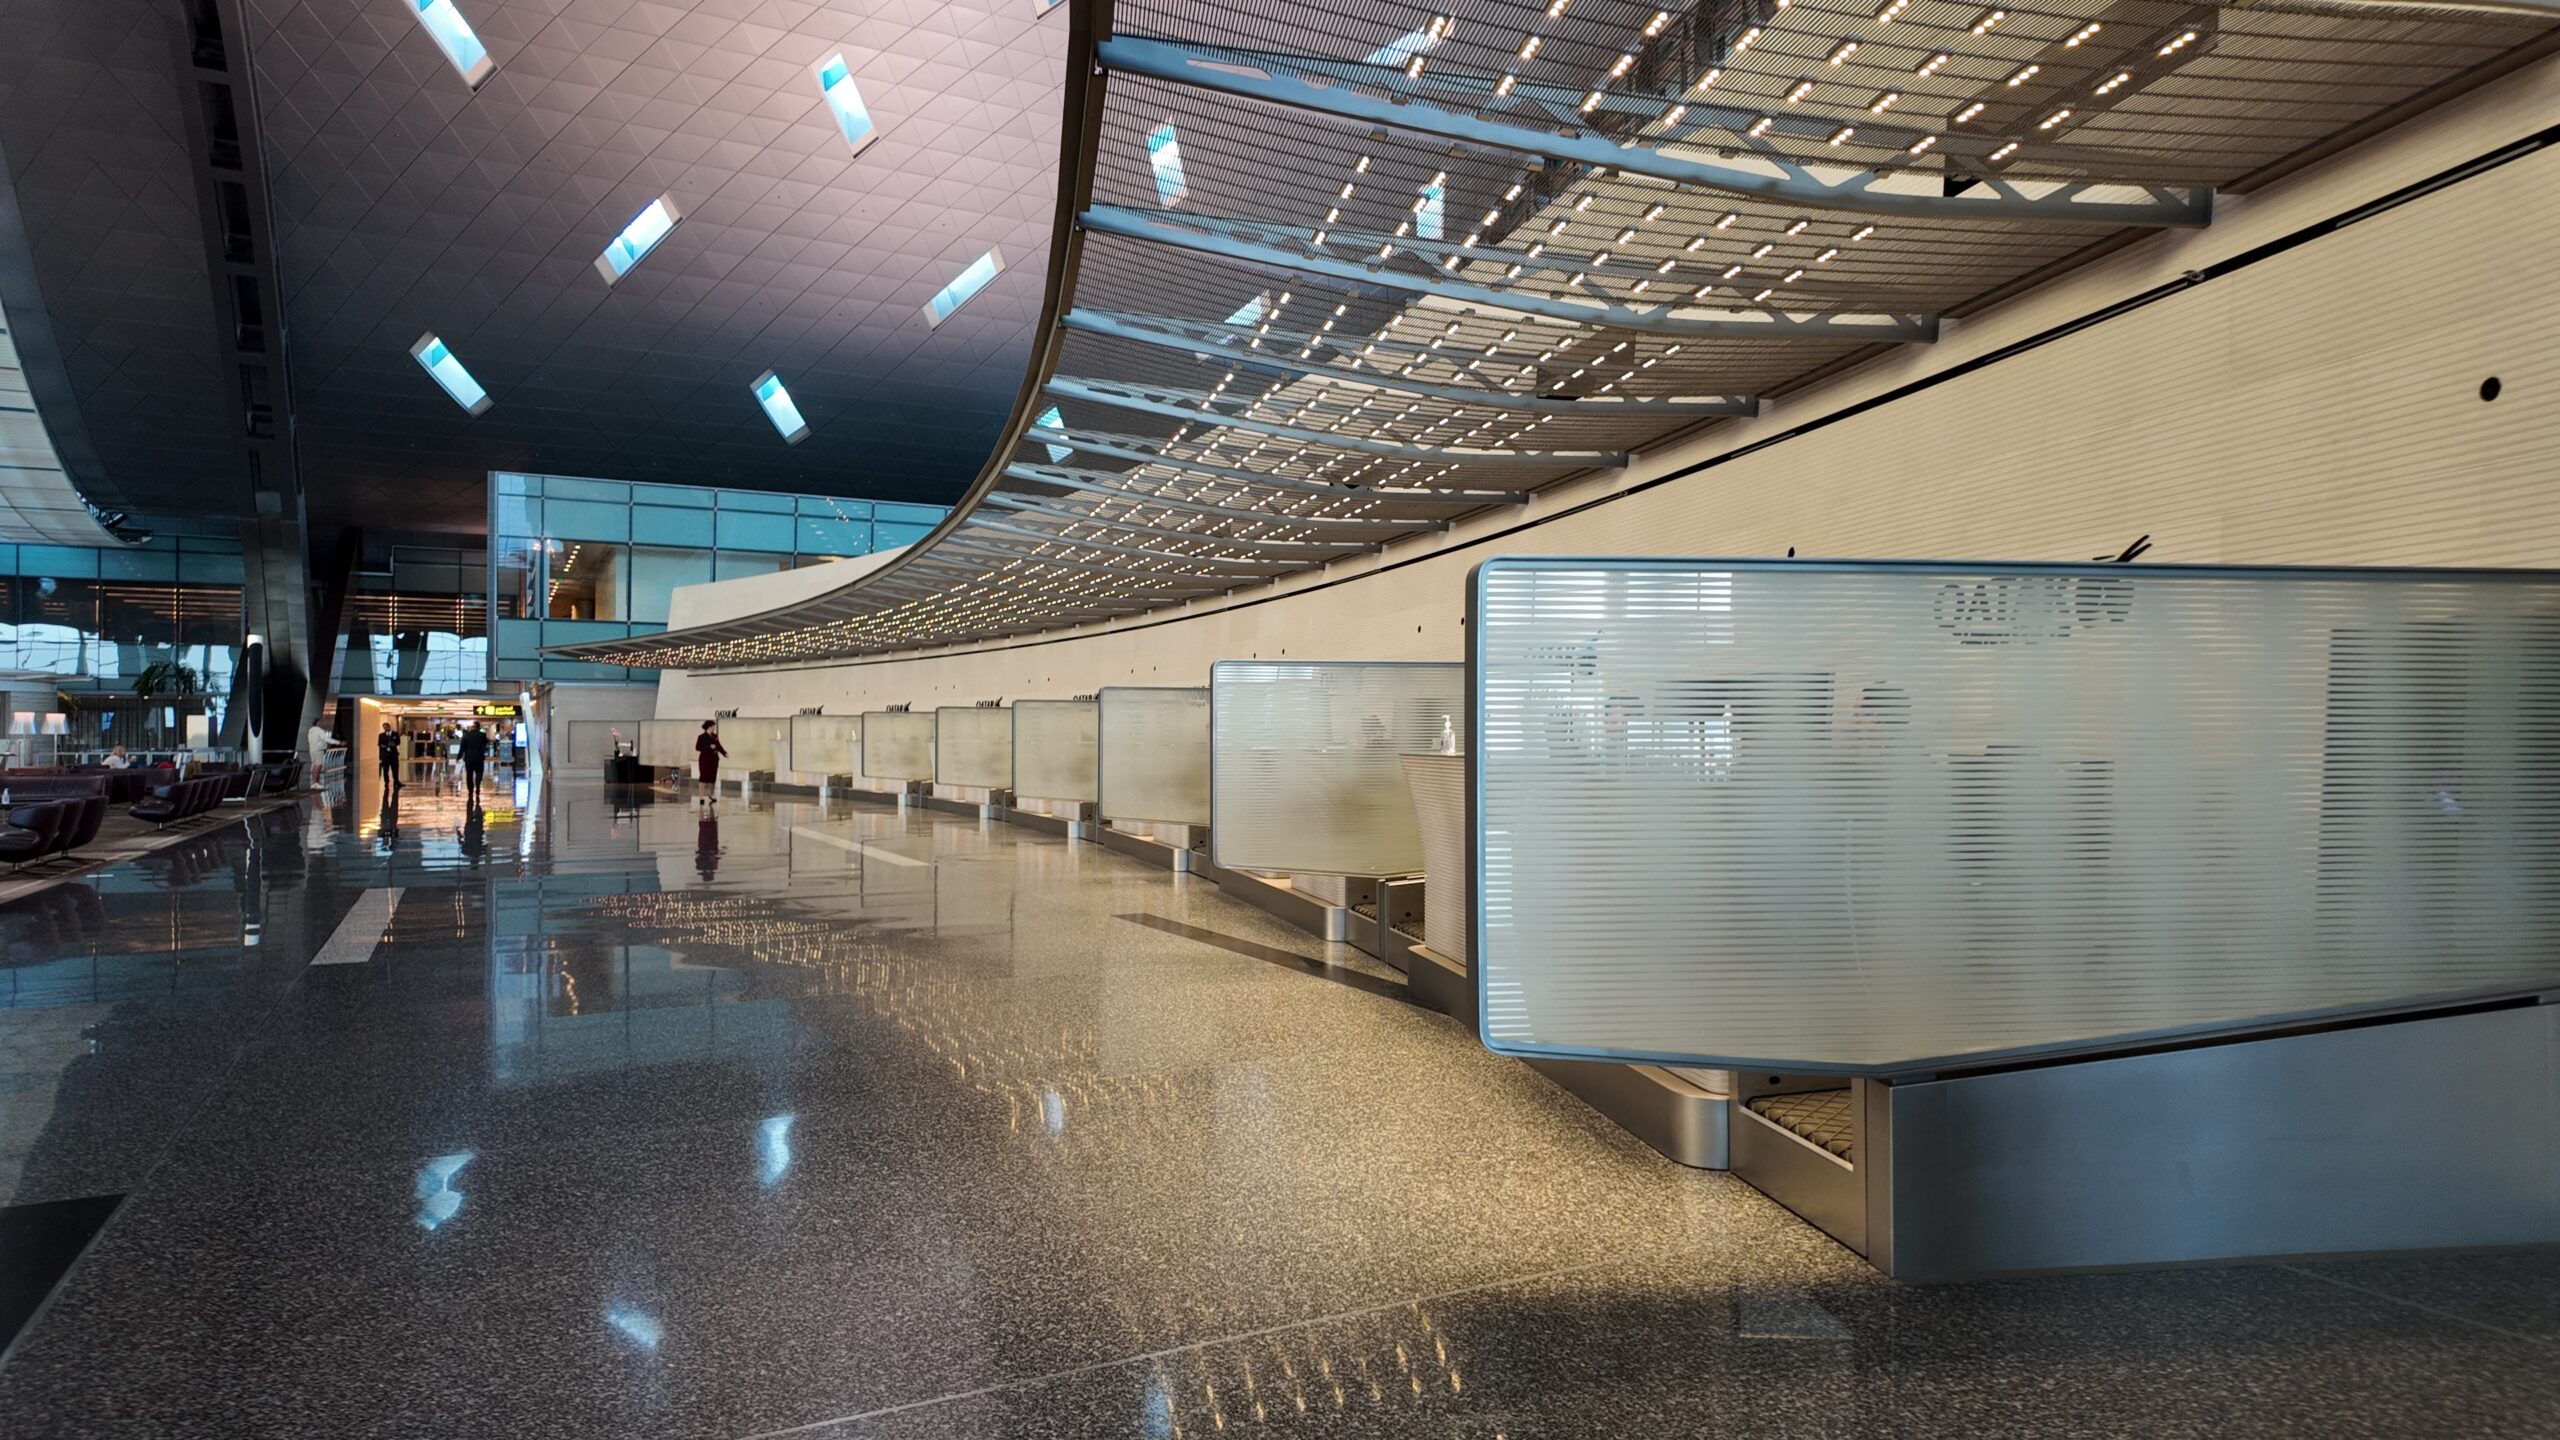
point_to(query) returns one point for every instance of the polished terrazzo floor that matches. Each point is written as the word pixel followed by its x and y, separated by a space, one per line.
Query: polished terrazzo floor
pixel 569 1119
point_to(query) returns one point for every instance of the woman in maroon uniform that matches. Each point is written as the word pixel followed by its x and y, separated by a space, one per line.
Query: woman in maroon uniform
pixel 707 751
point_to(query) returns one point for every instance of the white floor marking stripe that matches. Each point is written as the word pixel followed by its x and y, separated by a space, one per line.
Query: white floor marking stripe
pixel 353 941
pixel 868 852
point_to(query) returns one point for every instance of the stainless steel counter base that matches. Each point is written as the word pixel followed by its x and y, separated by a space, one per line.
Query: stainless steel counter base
pixel 1141 848
pixel 2425 1133
pixel 1442 984
pixel 1684 1121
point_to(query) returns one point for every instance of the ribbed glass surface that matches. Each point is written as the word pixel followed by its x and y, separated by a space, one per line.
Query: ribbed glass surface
pixel 1439 787
pixel 825 744
pixel 1155 754
pixel 973 746
pixel 1306 774
pixel 897 745
pixel 754 742
pixel 1845 817
pixel 668 742
pixel 1056 750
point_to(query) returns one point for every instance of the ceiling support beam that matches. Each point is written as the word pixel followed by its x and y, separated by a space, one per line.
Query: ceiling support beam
pixel 1239 567
pixel 1462 106
pixel 1234 346
pixel 1156 578
pixel 1118 447
pixel 1097 482
pixel 1303 552
pixel 1192 408
pixel 1232 240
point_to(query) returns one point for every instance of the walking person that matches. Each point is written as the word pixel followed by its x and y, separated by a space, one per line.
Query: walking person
pixel 321 743
pixel 386 756
pixel 475 759
pixel 707 751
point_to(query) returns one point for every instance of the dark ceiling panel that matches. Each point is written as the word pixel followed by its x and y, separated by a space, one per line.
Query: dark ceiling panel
pixel 97 152
pixel 407 202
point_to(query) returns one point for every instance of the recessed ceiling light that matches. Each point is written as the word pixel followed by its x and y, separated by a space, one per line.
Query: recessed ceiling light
pixel 436 358
pixel 963 286
pixel 844 101
pixel 654 222
pixel 779 409
pixel 453 35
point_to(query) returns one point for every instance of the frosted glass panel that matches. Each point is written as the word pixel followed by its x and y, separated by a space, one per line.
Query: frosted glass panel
pixel 1306 773
pixel 1439 786
pixel 825 744
pixel 897 745
pixel 754 742
pixel 1858 817
pixel 668 742
pixel 1155 754
pixel 973 746
pixel 1055 750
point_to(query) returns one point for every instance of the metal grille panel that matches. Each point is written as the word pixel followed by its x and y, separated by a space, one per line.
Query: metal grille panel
pixel 1858 817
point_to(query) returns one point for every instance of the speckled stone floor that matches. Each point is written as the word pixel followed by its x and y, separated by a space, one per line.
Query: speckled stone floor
pixel 637 1122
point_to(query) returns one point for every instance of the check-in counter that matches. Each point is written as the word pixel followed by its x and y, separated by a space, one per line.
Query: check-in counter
pixel 667 745
pixel 1152 769
pixel 1305 784
pixel 824 748
pixel 973 753
pixel 1057 760
pixel 897 747
pixel 2048 917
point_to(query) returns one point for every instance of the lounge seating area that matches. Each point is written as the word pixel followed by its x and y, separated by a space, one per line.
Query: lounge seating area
pixel 55 816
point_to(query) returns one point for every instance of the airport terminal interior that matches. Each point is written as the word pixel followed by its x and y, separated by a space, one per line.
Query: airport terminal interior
pixel 1474 719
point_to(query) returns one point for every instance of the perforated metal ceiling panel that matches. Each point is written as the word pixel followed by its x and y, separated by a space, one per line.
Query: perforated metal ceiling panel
pixel 1343 269
pixel 409 202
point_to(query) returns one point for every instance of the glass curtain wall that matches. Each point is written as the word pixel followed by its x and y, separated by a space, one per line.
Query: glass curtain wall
pixel 573 559
pixel 421 628
pixel 94 622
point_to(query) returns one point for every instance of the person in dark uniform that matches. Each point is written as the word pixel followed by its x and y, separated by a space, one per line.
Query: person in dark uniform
pixel 707 751
pixel 706 846
pixel 386 756
pixel 475 757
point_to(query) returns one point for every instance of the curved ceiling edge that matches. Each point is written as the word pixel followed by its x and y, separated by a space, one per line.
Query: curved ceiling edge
pixel 1319 322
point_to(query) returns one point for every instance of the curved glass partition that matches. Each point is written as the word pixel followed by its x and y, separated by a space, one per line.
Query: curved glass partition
pixel 825 744
pixel 666 744
pixel 897 745
pixel 1056 750
pixel 1864 818
pixel 1305 761
pixel 973 746
pixel 1154 746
